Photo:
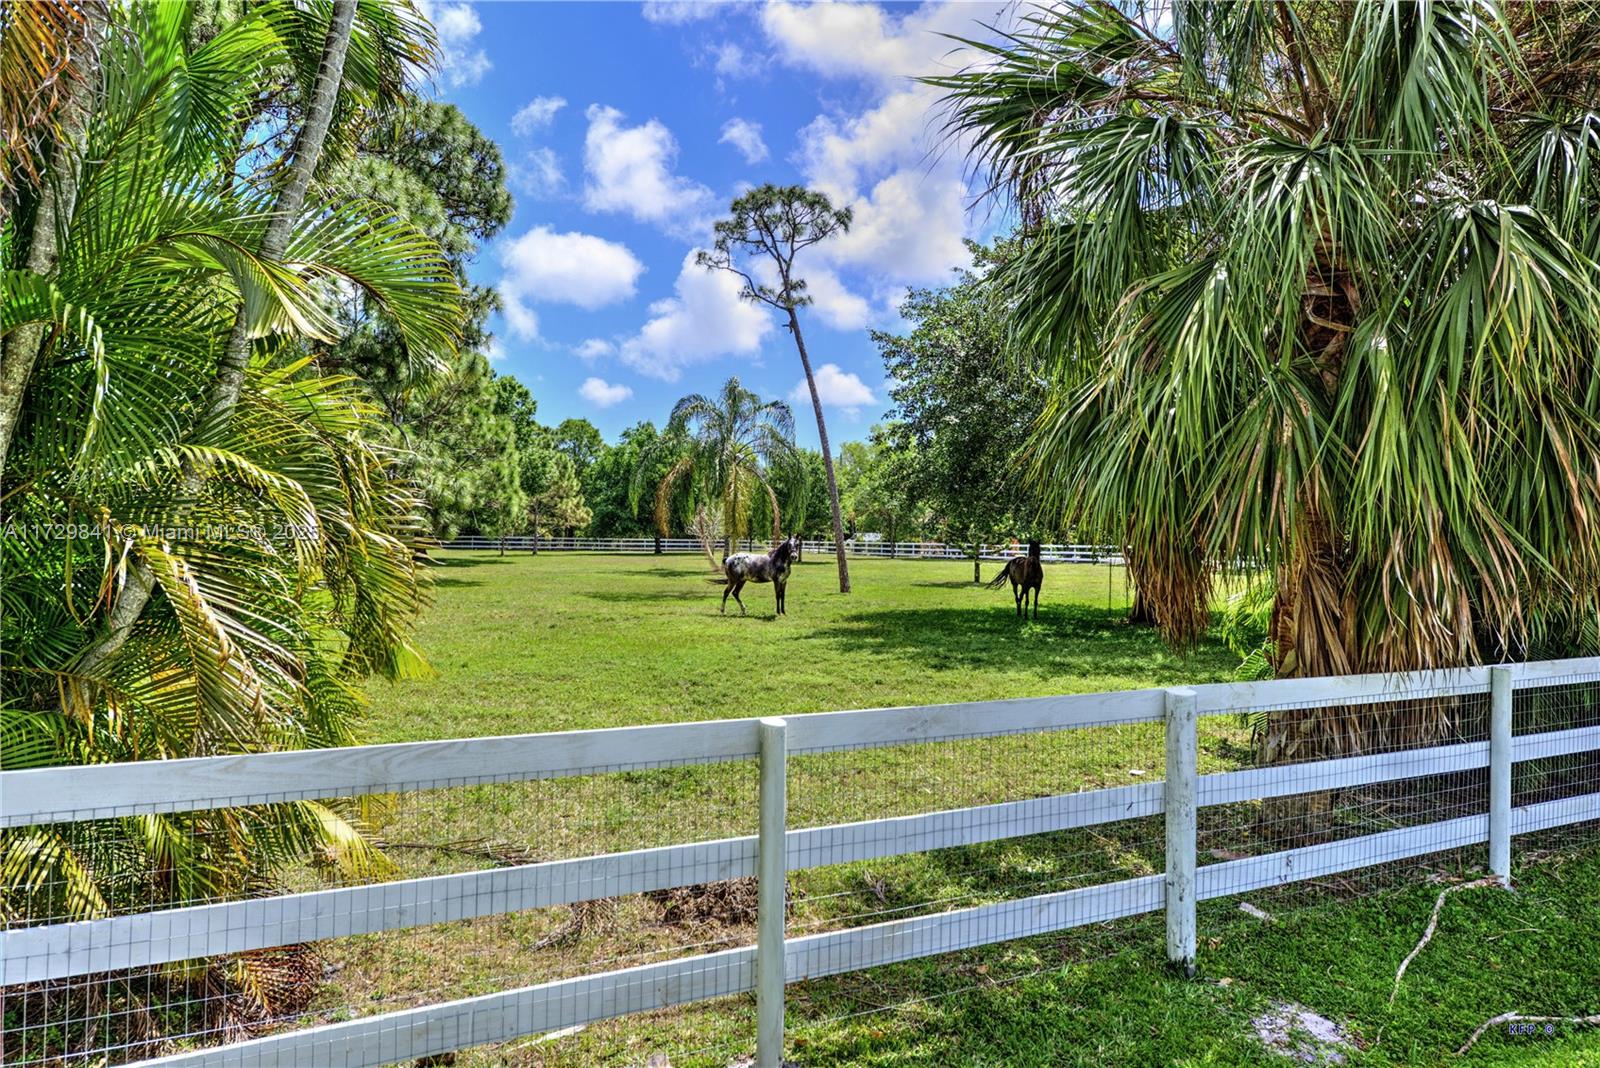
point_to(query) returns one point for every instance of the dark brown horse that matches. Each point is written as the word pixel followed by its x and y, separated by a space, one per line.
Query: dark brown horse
pixel 770 567
pixel 1026 573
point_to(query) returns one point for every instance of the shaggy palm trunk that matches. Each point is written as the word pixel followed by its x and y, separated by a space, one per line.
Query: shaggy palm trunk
pixel 1314 616
pixel 827 455
pixel 1312 632
pixel 1309 639
pixel 1143 611
pixel 1171 577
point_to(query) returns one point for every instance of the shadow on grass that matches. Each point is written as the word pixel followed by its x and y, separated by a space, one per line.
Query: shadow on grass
pixel 1066 640
pixel 707 593
pixel 444 582
pixel 666 572
pixel 454 563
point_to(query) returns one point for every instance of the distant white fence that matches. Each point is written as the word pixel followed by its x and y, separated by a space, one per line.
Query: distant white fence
pixel 1052 553
pixel 58 951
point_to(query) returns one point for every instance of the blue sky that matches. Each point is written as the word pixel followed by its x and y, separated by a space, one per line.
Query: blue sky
pixel 628 128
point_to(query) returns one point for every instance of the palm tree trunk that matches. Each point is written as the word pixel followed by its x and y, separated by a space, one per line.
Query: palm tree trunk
pixel 827 455
pixel 1143 610
pixel 307 151
pixel 225 389
pixel 58 195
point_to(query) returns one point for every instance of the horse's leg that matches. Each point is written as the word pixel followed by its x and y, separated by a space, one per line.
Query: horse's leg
pixel 725 591
pixel 1019 593
pixel 737 587
pixel 1036 602
pixel 778 589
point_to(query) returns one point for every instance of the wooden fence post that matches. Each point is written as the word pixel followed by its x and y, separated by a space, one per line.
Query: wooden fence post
pixel 1500 773
pixel 1182 789
pixel 771 897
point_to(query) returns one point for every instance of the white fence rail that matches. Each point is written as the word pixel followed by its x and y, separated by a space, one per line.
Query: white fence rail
pixel 60 951
pixel 1052 553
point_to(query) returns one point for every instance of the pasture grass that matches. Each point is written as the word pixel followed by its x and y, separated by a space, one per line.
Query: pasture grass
pixel 565 641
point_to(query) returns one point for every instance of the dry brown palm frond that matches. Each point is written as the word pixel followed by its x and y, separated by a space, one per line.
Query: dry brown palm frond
pixel 44 46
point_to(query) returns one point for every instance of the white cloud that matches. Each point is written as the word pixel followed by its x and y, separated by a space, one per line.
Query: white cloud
pixel 840 40
pixel 593 348
pixel 730 60
pixel 837 154
pixel 746 137
pixel 833 301
pixel 536 114
pixel 603 394
pixel 887 160
pixel 706 318
pixel 630 170
pixel 570 268
pixel 836 388
pixel 523 320
pixel 536 174
pixel 456 25
pixel 495 351
pixel 909 228
pixel 678 12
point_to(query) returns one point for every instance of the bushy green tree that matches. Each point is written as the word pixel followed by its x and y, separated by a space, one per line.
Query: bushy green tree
pixel 559 508
pixel 551 488
pixel 608 483
pixel 801 488
pixel 436 169
pixel 1317 287
pixel 963 410
pixel 462 453
pixel 874 486
pixel 581 441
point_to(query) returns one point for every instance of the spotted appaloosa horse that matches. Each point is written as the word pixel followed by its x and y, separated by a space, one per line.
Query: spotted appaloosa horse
pixel 1026 573
pixel 770 567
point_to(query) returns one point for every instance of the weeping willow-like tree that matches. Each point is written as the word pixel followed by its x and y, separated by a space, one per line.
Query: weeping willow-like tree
pixel 730 445
pixel 1316 286
pixel 202 550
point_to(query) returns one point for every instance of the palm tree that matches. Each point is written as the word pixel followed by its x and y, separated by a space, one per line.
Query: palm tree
pixel 269 546
pixel 735 441
pixel 1315 286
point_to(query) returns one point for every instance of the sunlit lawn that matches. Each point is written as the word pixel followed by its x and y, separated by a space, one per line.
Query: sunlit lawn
pixel 564 641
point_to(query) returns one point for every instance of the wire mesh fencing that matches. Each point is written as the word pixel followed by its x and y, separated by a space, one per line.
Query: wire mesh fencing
pixel 933 854
pixel 1410 817
pixel 972 826
pixel 453 911
pixel 1559 777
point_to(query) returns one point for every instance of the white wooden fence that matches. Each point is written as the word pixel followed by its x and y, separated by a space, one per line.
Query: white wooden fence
pixel 34 954
pixel 867 546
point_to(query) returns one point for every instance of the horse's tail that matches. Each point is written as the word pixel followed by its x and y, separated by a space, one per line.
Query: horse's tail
pixel 1000 579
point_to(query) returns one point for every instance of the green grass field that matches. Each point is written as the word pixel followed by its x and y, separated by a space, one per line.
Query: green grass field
pixel 558 642
pixel 565 641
